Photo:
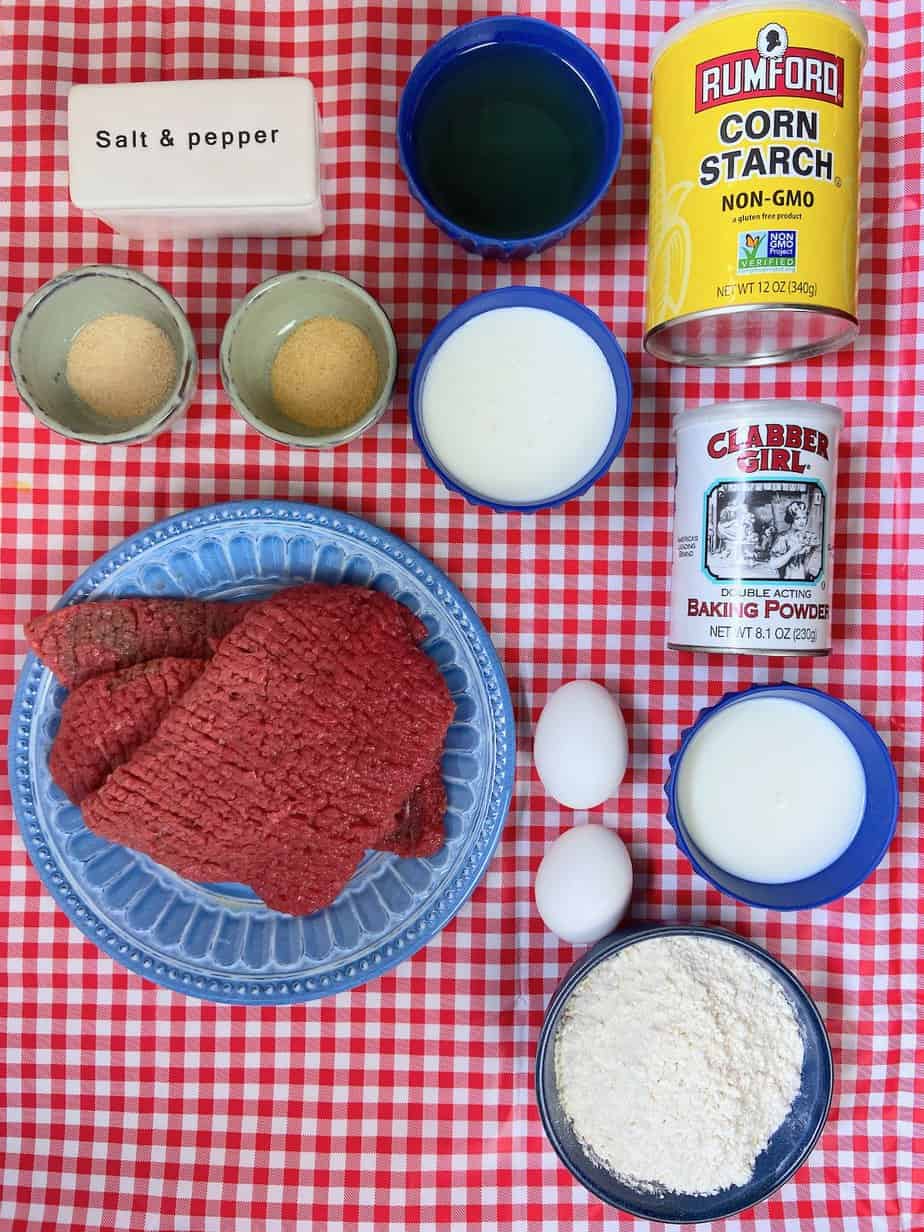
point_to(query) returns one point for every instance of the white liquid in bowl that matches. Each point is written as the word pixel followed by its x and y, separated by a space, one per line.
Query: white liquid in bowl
pixel 771 790
pixel 518 405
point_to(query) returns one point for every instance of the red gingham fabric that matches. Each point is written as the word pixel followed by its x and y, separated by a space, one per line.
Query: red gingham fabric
pixel 408 1103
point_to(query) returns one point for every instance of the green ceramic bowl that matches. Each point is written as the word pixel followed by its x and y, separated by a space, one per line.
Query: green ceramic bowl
pixel 261 323
pixel 52 318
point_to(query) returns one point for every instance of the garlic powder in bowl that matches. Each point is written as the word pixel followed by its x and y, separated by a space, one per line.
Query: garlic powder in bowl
pixel 309 359
pixel 121 365
pixel 103 354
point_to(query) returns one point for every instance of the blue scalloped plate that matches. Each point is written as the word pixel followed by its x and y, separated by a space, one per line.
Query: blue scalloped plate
pixel 220 942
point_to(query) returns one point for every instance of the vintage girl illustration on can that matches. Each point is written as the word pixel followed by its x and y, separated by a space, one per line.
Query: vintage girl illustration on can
pixel 796 552
pixel 753 527
pixel 765 531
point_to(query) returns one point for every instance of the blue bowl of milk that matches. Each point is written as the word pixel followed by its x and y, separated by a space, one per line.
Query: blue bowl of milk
pixel 520 399
pixel 783 797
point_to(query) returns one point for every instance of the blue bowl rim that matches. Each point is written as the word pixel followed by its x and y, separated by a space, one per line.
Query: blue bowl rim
pixel 423 72
pixel 175 525
pixel 833 708
pixel 613 944
pixel 551 301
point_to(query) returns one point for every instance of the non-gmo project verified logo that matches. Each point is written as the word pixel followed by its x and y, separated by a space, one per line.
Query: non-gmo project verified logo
pixel 758 250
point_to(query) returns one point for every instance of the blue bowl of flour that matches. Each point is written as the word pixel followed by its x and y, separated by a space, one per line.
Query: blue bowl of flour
pixel 788 1148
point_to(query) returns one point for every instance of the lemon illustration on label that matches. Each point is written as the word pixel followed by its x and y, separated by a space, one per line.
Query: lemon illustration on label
pixel 849 245
pixel 670 244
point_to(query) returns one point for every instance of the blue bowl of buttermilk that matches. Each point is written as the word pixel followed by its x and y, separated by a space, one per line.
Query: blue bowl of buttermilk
pixel 682 1073
pixel 520 399
pixel 782 797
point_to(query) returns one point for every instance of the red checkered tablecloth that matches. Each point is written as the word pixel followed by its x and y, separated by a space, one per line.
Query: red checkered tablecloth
pixel 408 1103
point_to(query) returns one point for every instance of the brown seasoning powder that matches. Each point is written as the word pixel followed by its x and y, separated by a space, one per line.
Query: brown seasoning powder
pixel 326 374
pixel 122 366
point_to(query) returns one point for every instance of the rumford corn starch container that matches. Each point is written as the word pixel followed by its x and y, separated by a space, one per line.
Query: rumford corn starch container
pixel 754 527
pixel 752 224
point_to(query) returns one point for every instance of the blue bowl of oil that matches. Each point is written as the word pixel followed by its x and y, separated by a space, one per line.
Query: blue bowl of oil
pixel 509 133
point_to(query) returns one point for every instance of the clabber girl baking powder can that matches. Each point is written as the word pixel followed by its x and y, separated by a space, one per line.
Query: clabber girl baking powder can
pixel 754 189
pixel 754 527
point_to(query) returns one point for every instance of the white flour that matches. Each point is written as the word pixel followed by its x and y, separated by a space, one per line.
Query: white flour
pixel 676 1060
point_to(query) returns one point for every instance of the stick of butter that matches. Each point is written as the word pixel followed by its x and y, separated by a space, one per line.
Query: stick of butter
pixel 183 159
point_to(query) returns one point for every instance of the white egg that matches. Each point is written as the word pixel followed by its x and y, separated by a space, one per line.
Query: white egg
pixel 584 884
pixel 580 747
